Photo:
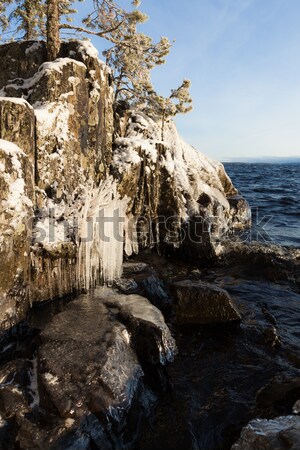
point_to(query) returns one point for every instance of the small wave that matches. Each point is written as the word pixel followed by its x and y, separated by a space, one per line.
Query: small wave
pixel 287 201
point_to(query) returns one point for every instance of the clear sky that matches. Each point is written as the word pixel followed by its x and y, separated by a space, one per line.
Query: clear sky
pixel 243 58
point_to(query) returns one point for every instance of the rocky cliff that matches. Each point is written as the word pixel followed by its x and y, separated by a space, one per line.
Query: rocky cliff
pixel 69 193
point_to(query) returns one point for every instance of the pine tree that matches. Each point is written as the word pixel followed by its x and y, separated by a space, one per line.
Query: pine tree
pixel 53 37
pixel 133 55
pixel 56 10
pixel 27 16
pixel 178 102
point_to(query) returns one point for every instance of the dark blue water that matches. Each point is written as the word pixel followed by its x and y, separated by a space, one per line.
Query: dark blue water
pixel 273 192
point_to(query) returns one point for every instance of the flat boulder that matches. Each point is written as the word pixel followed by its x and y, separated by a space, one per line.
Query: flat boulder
pixel 280 434
pixel 200 303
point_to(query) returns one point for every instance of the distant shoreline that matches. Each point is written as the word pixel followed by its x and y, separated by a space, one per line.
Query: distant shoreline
pixel 262 161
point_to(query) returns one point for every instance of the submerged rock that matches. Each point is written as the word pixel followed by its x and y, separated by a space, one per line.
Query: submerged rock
pixel 151 336
pixel 202 303
pixel 281 433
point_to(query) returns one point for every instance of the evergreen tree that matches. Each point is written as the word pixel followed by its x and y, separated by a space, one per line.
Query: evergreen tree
pixel 178 102
pixel 27 16
pixel 132 55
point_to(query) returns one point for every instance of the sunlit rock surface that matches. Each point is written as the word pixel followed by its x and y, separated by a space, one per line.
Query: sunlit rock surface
pixel 16 203
pixel 201 303
pixel 178 198
pixel 61 118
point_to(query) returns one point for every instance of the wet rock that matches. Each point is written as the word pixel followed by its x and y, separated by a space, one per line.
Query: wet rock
pixel 151 336
pixel 86 362
pixel 202 303
pixel 278 397
pixel 89 435
pixel 281 433
pixel 271 336
pixel 296 407
pixel 240 211
pixel 141 279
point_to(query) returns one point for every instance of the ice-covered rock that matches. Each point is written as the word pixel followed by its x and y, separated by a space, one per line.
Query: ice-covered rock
pixel 61 117
pixel 261 434
pixel 202 303
pixel 177 195
pixel 157 193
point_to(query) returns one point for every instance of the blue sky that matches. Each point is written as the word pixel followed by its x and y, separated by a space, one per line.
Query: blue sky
pixel 243 58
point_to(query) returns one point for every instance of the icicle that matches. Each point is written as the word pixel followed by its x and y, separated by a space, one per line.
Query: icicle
pixel 100 236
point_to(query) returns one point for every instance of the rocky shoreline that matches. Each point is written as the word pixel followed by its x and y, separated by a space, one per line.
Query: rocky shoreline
pixel 192 335
pixel 99 373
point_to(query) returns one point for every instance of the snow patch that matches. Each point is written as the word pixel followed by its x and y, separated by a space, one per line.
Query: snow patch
pixel 16 100
pixel 34 47
pixel 17 203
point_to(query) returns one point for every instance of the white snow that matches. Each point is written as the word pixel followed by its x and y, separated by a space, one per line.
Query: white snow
pixel 87 48
pixel 17 203
pixel 53 117
pixel 48 67
pixel 34 47
pixel 16 100
pixel 191 173
pixel 51 379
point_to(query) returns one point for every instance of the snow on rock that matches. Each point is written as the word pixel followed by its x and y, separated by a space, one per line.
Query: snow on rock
pixel 169 178
pixel 86 48
pixel 17 101
pixel 16 203
pixel 17 124
pixel 16 211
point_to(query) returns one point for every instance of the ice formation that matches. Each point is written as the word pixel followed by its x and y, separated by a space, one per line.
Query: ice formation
pixel 100 235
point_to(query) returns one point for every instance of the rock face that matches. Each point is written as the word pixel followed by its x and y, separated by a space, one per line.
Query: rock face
pixel 280 433
pixel 63 131
pixel 16 202
pixel 202 303
pixel 178 198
